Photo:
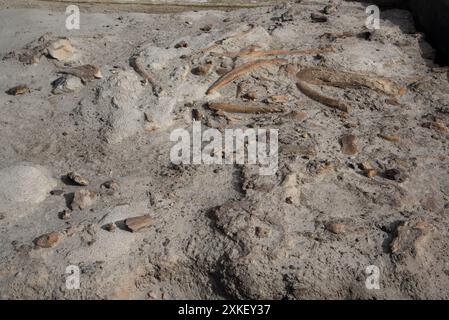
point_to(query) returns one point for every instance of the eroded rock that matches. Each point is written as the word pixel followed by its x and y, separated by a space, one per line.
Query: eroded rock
pixel 83 199
pixel 336 228
pixel 61 50
pixel 111 185
pixel 138 223
pixel 411 237
pixel 67 84
pixel 78 179
pixel 202 70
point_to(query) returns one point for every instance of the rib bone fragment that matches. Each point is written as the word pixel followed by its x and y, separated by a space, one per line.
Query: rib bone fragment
pixel 340 79
pixel 318 97
pixel 252 52
pixel 236 108
pixel 240 71
pixel 136 63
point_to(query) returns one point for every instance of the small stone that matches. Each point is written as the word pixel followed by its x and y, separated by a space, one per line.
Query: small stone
pixel 371 173
pixel 2 215
pixel 278 99
pixel 202 70
pixel 111 227
pixel 83 199
pixel 367 35
pixel 152 296
pixel 61 50
pixel 336 228
pixel 111 185
pixel 348 144
pixel 48 240
pixel 365 166
pixel 410 237
pixel 65 215
pixel 18 90
pixel 262 232
pixel 316 17
pixel 395 175
pixel 251 95
pixel 330 9
pixel 56 192
pixel 66 84
pixel 206 28
pixel 137 223
pixel 182 44
pixel 77 178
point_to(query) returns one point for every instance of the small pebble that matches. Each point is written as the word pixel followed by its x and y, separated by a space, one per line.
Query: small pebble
pixel 202 70
pixel 56 192
pixel 111 227
pixel 182 44
pixel 316 17
pixel 111 185
pixel 48 240
pixel 330 9
pixel 251 95
pixel 65 215
pixel 336 228
pixel 395 175
pixel 83 199
pixel 18 90
pixel 77 178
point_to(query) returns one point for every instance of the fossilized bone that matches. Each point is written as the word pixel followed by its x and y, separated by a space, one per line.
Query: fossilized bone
pixel 340 79
pixel 314 95
pixel 87 72
pixel 136 63
pixel 240 71
pixel 236 108
pixel 252 52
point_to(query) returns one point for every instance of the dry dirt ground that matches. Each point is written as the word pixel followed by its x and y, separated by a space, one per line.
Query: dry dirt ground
pixel 365 187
